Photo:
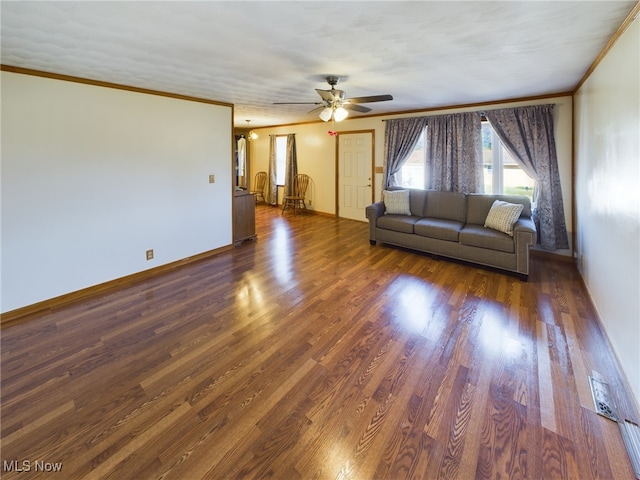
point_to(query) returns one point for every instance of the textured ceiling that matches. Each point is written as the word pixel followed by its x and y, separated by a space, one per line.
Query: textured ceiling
pixel 252 54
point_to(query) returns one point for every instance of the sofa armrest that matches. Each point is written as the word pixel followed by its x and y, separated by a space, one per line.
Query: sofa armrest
pixel 526 225
pixel 525 235
pixel 374 211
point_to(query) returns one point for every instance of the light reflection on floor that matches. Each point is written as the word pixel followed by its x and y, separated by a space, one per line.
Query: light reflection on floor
pixel 416 307
pixel 281 254
pixel 498 334
pixel 493 330
pixel 412 302
pixel 249 295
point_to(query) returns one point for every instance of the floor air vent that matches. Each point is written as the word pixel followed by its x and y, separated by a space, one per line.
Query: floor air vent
pixel 630 431
pixel 602 399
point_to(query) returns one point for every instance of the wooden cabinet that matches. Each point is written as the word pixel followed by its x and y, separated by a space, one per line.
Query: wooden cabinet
pixel 244 217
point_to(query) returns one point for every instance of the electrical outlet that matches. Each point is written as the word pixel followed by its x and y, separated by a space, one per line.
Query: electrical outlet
pixel 212 179
pixel 150 254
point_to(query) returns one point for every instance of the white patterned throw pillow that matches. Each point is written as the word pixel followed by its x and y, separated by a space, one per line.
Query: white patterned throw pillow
pixel 503 215
pixel 396 202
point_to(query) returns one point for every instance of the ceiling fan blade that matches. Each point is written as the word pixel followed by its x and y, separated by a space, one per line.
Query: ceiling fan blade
pixel 372 98
pixel 326 95
pixel 316 110
pixel 331 95
pixel 297 103
pixel 356 108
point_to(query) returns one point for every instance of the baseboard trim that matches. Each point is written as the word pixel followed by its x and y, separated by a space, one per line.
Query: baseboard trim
pixel 631 409
pixel 551 255
pixel 19 315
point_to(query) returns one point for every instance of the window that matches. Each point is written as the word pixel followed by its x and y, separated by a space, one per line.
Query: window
pixel 502 174
pixel 281 159
pixel 413 171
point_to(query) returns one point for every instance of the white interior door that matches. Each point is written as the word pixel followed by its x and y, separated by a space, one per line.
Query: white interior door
pixel 355 163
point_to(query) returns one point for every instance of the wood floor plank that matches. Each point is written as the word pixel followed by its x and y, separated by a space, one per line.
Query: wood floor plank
pixel 558 457
pixel 310 354
pixel 397 387
pixel 596 459
pixel 545 380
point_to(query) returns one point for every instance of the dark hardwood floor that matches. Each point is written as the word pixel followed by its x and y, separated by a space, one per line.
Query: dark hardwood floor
pixel 310 354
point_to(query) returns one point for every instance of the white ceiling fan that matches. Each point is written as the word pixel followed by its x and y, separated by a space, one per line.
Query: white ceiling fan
pixel 335 104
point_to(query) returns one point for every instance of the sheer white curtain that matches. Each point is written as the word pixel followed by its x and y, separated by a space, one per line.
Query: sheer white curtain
pixel 241 163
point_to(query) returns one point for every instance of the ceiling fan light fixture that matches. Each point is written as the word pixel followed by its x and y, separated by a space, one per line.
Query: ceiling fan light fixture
pixel 251 135
pixel 325 115
pixel 334 100
pixel 340 114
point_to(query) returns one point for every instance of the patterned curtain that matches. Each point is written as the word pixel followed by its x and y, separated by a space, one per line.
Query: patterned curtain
pixel 527 133
pixel 292 166
pixel 454 153
pixel 272 183
pixel 400 138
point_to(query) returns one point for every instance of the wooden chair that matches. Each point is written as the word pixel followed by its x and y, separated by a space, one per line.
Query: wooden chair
pixel 296 201
pixel 259 184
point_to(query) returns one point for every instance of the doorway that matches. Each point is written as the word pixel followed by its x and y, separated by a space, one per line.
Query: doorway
pixel 355 174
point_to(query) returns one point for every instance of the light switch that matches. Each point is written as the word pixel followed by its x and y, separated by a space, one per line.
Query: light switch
pixel 212 179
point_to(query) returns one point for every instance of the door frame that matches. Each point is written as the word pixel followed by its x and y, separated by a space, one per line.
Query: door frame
pixel 337 163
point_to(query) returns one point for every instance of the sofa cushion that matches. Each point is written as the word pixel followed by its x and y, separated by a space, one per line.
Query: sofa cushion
pixel 502 216
pixel 398 223
pixel 446 205
pixel 479 236
pixel 478 206
pixel 417 201
pixel 396 202
pixel 438 228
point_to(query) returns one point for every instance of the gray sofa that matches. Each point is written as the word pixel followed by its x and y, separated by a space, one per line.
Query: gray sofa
pixel 452 225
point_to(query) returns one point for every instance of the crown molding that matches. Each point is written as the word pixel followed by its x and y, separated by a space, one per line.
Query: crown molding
pixel 88 81
pixel 633 15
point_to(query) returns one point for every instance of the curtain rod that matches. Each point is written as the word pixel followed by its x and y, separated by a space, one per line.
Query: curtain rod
pixel 481 112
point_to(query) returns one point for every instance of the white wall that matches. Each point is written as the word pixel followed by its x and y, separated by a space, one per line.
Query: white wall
pixel 92 177
pixel 607 132
pixel 317 151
